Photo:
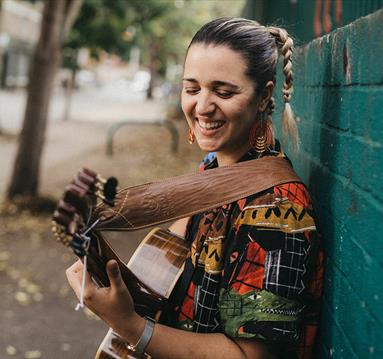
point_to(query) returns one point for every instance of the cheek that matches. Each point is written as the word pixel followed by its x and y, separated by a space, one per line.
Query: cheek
pixel 236 112
pixel 186 105
pixel 187 109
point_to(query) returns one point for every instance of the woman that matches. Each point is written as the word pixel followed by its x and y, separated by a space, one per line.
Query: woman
pixel 255 264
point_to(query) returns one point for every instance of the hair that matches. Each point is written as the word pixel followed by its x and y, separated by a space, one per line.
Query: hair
pixel 260 47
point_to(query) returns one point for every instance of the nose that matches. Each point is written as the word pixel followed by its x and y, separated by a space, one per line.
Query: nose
pixel 205 104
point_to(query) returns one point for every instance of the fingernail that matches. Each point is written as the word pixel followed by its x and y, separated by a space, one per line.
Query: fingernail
pixel 115 269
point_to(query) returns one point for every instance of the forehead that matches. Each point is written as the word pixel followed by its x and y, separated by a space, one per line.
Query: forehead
pixel 215 63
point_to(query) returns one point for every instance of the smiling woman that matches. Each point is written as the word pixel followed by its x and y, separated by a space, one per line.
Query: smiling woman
pixel 252 284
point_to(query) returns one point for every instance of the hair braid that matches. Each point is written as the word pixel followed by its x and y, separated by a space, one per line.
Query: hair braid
pixel 285 45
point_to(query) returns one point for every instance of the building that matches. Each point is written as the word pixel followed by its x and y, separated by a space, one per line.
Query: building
pixel 19 32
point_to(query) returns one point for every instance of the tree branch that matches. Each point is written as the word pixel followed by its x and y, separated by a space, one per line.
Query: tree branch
pixel 72 9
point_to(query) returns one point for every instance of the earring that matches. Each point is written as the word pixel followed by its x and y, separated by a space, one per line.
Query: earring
pixel 191 138
pixel 260 136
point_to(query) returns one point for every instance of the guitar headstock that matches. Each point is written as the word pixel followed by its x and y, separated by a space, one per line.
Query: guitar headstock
pixel 70 219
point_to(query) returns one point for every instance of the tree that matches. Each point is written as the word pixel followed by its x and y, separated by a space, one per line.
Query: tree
pixel 101 26
pixel 58 18
pixel 154 19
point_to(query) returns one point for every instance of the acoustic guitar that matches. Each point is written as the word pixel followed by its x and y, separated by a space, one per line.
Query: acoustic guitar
pixel 152 271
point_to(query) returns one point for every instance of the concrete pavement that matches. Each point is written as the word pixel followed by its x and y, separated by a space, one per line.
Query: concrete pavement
pixel 93 111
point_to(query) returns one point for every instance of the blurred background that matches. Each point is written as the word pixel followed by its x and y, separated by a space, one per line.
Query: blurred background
pixel 96 83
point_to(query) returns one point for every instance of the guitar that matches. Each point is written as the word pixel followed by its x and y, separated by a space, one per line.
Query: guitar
pixel 152 271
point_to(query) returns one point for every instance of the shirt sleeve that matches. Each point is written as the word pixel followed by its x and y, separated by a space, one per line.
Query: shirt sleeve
pixel 273 247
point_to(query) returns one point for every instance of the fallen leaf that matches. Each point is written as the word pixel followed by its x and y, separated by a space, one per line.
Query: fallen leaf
pixel 32 288
pixel 11 350
pixel 22 298
pixel 4 256
pixel 32 354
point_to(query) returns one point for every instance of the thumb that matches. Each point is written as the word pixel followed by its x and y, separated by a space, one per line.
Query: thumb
pixel 114 274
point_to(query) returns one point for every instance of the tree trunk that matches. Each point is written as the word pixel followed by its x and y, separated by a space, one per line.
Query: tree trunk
pixel 57 18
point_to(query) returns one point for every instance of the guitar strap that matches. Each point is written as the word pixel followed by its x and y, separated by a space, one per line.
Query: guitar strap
pixel 158 202
pixel 183 196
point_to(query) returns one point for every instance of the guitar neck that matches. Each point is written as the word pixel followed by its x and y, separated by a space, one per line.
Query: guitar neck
pixel 100 252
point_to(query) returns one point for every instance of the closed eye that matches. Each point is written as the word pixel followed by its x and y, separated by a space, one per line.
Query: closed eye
pixel 224 94
pixel 191 90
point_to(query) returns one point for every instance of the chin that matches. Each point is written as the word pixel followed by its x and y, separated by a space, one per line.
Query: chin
pixel 208 147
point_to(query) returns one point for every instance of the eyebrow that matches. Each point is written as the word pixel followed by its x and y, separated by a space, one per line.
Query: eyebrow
pixel 215 83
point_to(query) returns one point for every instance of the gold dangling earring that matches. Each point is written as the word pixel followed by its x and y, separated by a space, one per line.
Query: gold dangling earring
pixel 257 137
pixel 261 134
pixel 191 138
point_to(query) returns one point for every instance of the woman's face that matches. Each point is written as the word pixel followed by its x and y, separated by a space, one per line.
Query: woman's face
pixel 218 99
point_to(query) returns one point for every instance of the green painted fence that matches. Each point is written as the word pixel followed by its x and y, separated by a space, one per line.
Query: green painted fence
pixel 338 97
pixel 297 15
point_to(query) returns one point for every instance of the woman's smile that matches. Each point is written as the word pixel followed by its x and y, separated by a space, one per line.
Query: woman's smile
pixel 210 128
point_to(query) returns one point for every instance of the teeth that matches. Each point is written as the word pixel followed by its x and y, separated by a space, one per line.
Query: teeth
pixel 211 125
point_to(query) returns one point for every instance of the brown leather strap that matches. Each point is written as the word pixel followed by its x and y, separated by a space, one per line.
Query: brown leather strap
pixel 178 197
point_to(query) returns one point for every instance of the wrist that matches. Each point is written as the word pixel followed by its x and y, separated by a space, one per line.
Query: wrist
pixel 140 347
pixel 132 328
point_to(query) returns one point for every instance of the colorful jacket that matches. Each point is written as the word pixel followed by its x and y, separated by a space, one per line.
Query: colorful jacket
pixel 257 269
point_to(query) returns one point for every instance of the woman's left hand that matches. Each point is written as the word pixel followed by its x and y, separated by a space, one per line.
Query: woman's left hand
pixel 113 304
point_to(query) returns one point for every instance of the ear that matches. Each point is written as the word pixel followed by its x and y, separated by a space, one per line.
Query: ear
pixel 266 94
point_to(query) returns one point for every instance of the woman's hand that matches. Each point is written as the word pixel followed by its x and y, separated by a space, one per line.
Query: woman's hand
pixel 113 304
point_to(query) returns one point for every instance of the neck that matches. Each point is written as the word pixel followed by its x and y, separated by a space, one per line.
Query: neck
pixel 229 158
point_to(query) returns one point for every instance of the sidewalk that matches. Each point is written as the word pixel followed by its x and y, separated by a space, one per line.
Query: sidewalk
pixel 37 303
pixel 92 113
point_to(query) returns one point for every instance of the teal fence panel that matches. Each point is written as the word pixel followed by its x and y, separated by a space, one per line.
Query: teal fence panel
pixel 338 97
pixel 297 16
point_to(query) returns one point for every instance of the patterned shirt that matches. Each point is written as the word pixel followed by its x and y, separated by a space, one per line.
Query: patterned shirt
pixel 257 269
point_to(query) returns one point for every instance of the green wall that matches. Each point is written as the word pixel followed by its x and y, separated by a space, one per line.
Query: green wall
pixel 297 15
pixel 338 97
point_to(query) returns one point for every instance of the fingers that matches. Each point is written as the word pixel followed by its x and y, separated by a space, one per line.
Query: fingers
pixel 74 275
pixel 114 275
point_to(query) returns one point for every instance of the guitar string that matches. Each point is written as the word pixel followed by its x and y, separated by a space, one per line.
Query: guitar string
pixel 87 240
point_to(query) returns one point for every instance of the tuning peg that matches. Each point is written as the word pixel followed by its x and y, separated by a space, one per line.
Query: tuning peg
pixel 78 246
pixel 86 179
pixel 89 172
pixel 100 179
pixel 66 208
pixel 76 196
pixel 81 184
pixel 60 233
pixel 110 189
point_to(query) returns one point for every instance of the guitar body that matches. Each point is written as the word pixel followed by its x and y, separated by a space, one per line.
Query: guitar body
pixel 150 276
